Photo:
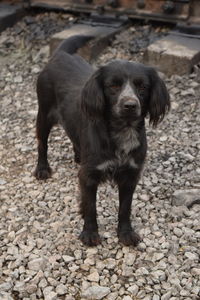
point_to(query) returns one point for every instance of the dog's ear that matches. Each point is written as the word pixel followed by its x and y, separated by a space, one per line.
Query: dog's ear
pixel 93 101
pixel 159 102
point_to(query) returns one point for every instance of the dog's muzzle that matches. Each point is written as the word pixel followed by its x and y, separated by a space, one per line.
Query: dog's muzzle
pixel 130 107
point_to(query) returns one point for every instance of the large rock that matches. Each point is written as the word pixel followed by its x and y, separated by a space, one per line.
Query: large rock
pixel 100 37
pixel 173 54
pixel 96 292
pixel 37 264
pixel 9 15
pixel 186 197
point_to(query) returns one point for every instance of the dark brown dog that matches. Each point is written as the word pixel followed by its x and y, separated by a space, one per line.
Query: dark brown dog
pixel 102 112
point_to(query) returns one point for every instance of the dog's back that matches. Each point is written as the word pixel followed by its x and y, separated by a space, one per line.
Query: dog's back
pixel 59 87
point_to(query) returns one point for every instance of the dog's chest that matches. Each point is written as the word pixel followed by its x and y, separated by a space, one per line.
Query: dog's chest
pixel 125 142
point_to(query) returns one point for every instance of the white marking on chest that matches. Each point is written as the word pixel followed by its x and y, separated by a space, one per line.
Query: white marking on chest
pixel 126 140
pixel 112 164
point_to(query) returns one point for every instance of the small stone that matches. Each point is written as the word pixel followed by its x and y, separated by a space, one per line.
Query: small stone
pixel 178 232
pixel 130 258
pixel 43 283
pixel 18 79
pixel 5 296
pixel 67 258
pixel 2 181
pixel 195 271
pixel 156 297
pixel 37 264
pixel 61 289
pixel 119 254
pixel 31 288
pixel 166 296
pixel 91 251
pixel 163 138
pixel 93 276
pixel 185 197
pixel 159 275
pixel 188 92
pixel 113 278
pixel 192 256
pixel 113 296
pixel 36 70
pixel 96 292
pixel 144 197
pixel 78 254
pixel 127 298
pixel 127 271
pixel 133 289
pixel 158 256
pixel 141 271
pixel 51 296
pixel 6 286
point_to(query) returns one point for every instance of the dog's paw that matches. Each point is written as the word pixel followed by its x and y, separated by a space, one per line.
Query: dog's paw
pixel 90 238
pixel 129 238
pixel 42 173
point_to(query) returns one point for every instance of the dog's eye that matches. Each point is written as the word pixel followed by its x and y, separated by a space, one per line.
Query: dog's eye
pixel 140 88
pixel 115 87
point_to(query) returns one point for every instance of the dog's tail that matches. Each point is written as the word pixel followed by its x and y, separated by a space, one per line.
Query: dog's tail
pixel 73 43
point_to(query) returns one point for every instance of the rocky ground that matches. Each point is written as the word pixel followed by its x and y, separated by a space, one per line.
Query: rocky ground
pixel 40 254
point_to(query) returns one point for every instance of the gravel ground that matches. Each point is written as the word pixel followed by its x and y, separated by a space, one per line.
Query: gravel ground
pixel 40 254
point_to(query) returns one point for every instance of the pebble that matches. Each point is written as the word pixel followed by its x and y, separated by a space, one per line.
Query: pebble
pixel 93 277
pixel 96 292
pixel 37 264
pixel 67 258
pixel 166 296
pixel 51 296
pixel 178 232
pixel 158 256
pixel 61 289
pixel 130 258
pixel 133 289
pixel 5 296
pixel 185 197
pixel 192 256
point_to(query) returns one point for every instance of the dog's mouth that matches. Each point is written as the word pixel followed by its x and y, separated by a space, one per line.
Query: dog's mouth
pixel 127 114
pixel 130 114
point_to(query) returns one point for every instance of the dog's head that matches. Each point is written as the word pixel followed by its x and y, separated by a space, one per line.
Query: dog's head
pixel 128 91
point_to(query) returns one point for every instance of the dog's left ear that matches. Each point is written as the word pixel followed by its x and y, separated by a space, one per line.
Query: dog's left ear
pixel 93 102
pixel 159 102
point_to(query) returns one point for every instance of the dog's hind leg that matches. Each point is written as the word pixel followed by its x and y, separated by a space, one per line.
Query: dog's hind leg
pixel 46 118
pixel 77 156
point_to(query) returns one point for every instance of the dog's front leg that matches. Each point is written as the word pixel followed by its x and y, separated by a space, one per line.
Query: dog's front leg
pixel 88 187
pixel 126 234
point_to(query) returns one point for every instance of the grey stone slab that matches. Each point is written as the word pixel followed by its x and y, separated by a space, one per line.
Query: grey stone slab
pixel 101 36
pixel 9 15
pixel 173 54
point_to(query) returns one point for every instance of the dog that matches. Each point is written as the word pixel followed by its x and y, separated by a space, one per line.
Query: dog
pixel 103 112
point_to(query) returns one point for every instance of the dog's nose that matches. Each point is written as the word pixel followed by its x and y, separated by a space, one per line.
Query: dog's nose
pixel 130 105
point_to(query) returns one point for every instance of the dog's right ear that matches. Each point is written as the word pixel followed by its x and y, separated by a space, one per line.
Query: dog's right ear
pixel 93 102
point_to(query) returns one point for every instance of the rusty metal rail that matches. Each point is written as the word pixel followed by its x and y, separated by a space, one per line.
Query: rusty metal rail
pixel 174 11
